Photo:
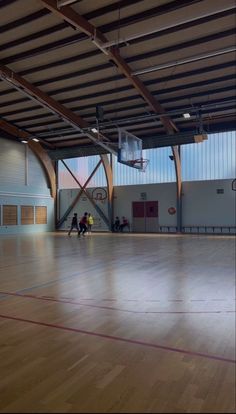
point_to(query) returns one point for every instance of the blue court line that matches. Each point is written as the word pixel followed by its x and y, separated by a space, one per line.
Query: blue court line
pixel 42 285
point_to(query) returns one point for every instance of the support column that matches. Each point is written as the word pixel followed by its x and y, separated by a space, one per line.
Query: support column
pixel 57 201
pixel 177 161
pixel 109 176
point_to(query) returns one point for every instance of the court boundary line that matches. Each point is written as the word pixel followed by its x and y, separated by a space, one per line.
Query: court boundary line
pixel 51 299
pixel 120 339
pixel 64 278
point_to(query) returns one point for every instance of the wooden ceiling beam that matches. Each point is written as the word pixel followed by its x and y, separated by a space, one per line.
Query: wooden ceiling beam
pixel 12 130
pixel 20 133
pixel 79 22
pixel 52 105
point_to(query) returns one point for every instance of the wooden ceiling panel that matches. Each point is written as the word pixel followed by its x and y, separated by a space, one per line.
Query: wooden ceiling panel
pixel 49 127
pixel 77 91
pixel 85 6
pixel 124 12
pixel 65 64
pixel 18 9
pixel 194 100
pixel 37 24
pixel 178 37
pixel 57 54
pixel 174 17
pixel 32 44
pixel 184 53
pixel 192 68
pixel 201 88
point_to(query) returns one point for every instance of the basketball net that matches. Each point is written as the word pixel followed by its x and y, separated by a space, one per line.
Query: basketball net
pixel 141 164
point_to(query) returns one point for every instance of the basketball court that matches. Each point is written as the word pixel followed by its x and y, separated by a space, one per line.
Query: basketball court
pixel 124 110
pixel 143 323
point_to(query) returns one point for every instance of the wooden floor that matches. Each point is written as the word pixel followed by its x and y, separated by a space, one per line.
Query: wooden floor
pixel 117 323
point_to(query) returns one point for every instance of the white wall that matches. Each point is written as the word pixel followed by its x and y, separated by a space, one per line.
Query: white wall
pixel 165 194
pixel 202 206
pixel 66 198
pixel 123 198
pixel 23 182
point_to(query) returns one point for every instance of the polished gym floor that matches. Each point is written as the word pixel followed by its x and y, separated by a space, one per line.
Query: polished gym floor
pixel 117 323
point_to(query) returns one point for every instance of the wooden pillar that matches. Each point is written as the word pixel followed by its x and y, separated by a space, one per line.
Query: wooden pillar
pixel 47 165
pixel 109 176
pixel 177 161
pixel 57 201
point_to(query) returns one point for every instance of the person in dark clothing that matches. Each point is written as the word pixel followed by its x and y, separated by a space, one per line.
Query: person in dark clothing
pixel 116 225
pixel 83 224
pixel 124 224
pixel 74 224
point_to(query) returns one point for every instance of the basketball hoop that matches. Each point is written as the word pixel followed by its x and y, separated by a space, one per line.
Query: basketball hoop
pixel 141 164
pixel 99 194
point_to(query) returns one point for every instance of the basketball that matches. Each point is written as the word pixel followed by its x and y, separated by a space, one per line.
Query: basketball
pixel 171 210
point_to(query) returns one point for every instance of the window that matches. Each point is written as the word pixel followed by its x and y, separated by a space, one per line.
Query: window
pixel 209 160
pixel 212 159
pixel 82 168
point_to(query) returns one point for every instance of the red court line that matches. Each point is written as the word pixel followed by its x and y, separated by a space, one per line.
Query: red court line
pixel 121 339
pixel 62 297
pixel 50 299
pixel 43 296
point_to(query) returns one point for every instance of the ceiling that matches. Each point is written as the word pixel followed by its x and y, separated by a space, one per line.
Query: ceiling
pixel 190 46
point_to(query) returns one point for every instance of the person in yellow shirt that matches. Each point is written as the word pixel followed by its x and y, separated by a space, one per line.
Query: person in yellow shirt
pixel 90 223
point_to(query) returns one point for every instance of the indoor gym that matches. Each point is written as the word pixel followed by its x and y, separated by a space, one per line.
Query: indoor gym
pixel 119 109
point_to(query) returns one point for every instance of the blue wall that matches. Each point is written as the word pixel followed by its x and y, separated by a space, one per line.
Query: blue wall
pixel 23 182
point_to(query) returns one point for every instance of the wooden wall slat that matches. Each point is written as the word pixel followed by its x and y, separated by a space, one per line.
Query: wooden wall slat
pixel 9 215
pixel 41 215
pixel 27 215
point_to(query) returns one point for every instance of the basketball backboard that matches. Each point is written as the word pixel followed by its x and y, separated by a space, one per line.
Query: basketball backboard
pixel 130 149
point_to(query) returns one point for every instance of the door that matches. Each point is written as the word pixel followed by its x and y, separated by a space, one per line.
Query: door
pixel 145 216
pixel 152 225
pixel 139 216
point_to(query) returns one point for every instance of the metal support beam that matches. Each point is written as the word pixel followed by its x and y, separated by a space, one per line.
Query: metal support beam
pixel 113 54
pixel 83 188
pixel 53 106
pixel 76 199
pixel 79 22
pixel 110 189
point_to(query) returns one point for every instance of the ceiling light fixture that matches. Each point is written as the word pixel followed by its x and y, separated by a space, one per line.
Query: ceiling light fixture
pixel 186 115
pixel 185 60
pixel 24 142
pixel 94 130
pixel 35 139
pixel 61 3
